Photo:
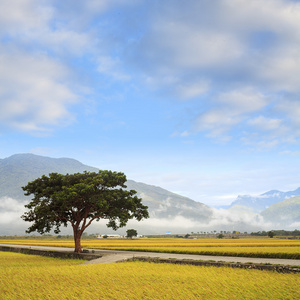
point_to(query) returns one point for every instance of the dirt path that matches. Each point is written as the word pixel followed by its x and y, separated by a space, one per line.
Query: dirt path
pixel 111 256
pixel 115 256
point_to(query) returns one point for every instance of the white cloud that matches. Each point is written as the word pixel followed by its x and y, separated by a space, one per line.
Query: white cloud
pixel 243 101
pixel 221 220
pixel 231 108
pixel 289 152
pixel 201 35
pixel 63 40
pixel 109 66
pixel 174 85
pixel 269 13
pixel 23 15
pixel 36 89
pixel 280 69
pixel 216 122
pixel 230 44
pixel 190 90
pixel 264 123
pixel 193 47
pixel 267 144
pixel 10 210
pixel 291 108
pixel 103 5
pixel 32 94
pixel 199 50
pixel 31 22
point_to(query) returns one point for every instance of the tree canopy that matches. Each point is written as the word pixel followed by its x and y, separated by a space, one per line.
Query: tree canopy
pixel 131 233
pixel 79 199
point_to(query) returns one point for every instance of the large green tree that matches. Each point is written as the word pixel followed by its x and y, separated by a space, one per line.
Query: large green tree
pixel 79 199
pixel 131 233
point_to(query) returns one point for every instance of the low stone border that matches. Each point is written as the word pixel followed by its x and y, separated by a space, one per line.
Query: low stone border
pixel 277 268
pixel 49 253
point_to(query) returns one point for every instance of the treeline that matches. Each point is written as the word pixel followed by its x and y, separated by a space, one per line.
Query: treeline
pixel 277 233
pixel 47 236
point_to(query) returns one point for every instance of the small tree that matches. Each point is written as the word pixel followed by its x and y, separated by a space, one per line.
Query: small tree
pixel 131 233
pixel 271 234
pixel 79 199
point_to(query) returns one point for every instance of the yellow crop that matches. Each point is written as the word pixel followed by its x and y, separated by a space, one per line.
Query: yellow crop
pixel 269 248
pixel 34 277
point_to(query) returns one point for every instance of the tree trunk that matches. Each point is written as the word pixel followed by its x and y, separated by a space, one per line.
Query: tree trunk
pixel 77 240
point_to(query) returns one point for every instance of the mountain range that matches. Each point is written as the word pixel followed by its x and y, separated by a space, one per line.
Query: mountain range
pixel 19 169
pixel 168 211
pixel 259 203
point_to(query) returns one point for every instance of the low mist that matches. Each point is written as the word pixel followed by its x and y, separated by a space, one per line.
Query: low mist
pixel 221 220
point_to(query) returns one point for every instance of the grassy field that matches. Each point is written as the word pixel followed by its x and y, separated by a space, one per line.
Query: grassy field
pixel 35 277
pixel 255 247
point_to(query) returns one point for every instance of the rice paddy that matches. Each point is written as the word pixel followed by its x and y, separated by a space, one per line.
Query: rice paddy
pixel 35 277
pixel 255 247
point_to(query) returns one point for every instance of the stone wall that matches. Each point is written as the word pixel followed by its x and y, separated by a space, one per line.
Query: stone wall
pixel 58 254
pixel 277 268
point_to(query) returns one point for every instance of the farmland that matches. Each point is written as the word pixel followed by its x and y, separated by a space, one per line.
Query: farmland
pixel 34 277
pixel 252 247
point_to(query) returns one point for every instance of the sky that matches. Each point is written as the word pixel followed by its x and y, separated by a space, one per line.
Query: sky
pixel 198 97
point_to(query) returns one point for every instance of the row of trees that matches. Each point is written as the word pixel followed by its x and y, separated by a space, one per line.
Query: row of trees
pixel 277 233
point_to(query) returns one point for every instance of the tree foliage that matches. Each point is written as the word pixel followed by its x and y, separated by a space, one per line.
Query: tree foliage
pixel 271 234
pixel 131 233
pixel 79 199
pixel 295 232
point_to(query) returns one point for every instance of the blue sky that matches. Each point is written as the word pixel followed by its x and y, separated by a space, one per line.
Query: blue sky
pixel 199 97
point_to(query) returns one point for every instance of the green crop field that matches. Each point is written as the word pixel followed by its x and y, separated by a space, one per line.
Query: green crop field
pixel 35 277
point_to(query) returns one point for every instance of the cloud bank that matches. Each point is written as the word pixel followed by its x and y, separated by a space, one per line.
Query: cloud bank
pixel 249 53
pixel 238 60
pixel 225 220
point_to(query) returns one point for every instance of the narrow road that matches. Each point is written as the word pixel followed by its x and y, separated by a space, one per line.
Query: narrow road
pixel 111 256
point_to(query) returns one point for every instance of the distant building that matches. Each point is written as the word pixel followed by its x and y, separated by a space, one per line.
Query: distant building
pixel 111 236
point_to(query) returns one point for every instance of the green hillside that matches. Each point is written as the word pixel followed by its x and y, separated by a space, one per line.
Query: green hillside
pixel 286 211
pixel 165 204
pixel 17 170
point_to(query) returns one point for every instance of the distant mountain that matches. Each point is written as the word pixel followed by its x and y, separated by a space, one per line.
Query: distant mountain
pixel 284 212
pixel 165 204
pixel 257 204
pixel 17 170
pixel 168 211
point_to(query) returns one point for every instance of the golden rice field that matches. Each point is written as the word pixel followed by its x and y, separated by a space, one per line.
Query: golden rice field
pixel 256 247
pixel 35 277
